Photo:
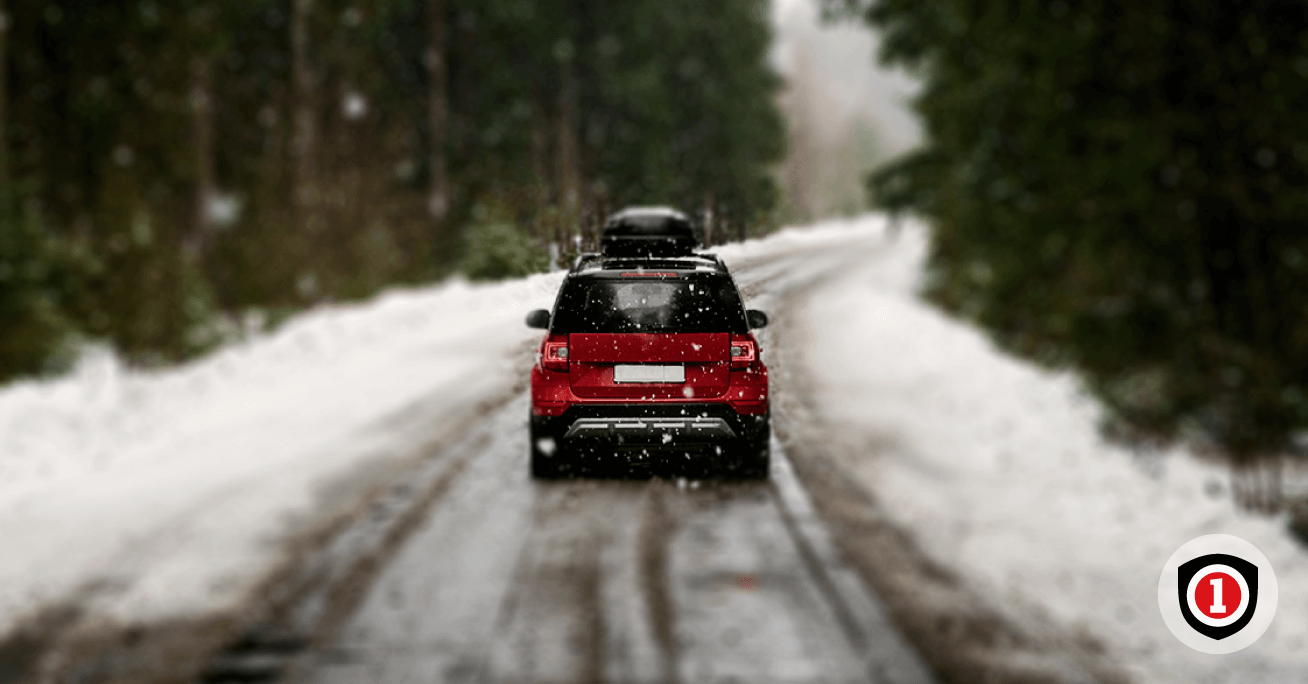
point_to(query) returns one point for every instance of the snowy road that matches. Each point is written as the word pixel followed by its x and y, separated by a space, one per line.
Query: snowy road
pixel 346 499
pixel 511 580
pixel 645 581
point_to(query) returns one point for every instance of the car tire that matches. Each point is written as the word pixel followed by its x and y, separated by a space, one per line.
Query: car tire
pixel 544 466
pixel 752 458
pixel 756 461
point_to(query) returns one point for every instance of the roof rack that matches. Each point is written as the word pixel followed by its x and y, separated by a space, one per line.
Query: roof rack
pixel 648 231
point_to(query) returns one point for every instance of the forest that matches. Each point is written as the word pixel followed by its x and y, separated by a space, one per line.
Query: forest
pixel 1117 187
pixel 176 174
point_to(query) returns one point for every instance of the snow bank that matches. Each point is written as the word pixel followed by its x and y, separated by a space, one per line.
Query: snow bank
pixel 997 468
pixel 160 494
pixel 169 490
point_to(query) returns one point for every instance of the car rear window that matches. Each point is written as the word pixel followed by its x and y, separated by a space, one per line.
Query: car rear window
pixel 689 304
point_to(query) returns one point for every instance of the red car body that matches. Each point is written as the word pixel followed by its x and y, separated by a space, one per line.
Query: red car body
pixel 605 392
pixel 712 375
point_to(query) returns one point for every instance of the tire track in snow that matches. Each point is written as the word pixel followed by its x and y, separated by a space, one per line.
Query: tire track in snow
pixel 623 581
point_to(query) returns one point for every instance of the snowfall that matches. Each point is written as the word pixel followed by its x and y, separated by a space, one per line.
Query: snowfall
pixel 150 495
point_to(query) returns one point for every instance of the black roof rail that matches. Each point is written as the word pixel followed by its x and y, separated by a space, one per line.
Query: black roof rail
pixel 591 261
pixel 584 257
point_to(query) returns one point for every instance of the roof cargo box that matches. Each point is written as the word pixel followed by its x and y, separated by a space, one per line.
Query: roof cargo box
pixel 648 231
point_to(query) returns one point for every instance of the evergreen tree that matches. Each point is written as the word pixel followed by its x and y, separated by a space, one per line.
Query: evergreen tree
pixel 172 164
pixel 1117 186
pixel 33 291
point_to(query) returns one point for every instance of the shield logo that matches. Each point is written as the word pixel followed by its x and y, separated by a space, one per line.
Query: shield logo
pixel 1218 593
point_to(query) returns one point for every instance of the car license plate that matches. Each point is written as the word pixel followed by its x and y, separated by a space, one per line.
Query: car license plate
pixel 649 373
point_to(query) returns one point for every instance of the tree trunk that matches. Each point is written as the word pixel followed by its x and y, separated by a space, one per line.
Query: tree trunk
pixel 567 170
pixel 202 141
pixel 546 227
pixel 304 140
pixel 5 188
pixel 1258 485
pixel 438 197
pixel 463 115
pixel 707 236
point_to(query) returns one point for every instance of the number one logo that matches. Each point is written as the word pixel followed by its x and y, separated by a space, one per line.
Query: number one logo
pixel 1217 596
pixel 1217 593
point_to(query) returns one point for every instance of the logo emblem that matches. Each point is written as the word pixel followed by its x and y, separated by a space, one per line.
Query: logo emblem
pixel 1217 594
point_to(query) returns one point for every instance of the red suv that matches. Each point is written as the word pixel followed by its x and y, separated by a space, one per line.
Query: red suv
pixel 649 361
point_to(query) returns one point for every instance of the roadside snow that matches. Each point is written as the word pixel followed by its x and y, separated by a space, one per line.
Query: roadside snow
pixel 997 468
pixel 151 495
pixel 171 492
pixel 168 491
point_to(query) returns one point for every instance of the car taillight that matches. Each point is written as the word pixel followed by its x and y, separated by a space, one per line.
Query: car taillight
pixel 555 356
pixel 742 353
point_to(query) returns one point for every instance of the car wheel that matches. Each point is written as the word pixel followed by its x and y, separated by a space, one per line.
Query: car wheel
pixel 544 467
pixel 750 459
pixel 756 461
pixel 756 456
pixel 545 463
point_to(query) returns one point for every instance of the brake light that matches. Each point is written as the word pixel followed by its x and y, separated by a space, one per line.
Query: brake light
pixel 743 353
pixel 555 356
pixel 648 274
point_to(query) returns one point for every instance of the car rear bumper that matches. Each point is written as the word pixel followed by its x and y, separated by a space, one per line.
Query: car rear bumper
pixel 651 426
pixel 652 431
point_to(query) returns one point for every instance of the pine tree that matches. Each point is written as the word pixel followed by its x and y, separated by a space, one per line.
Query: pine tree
pixel 1116 187
pixel 172 165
